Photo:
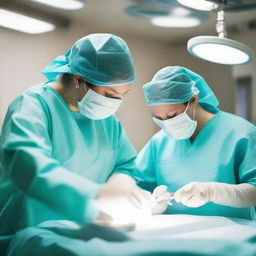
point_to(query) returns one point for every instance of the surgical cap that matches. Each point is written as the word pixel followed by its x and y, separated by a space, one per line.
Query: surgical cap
pixel 101 59
pixel 175 84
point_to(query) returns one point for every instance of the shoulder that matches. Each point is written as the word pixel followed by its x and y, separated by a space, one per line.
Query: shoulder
pixel 237 123
pixel 236 129
pixel 30 100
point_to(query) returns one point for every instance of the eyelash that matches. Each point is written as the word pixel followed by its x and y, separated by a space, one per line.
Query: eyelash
pixel 111 96
pixel 108 95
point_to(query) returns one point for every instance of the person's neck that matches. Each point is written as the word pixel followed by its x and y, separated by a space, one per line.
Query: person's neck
pixel 68 94
pixel 202 117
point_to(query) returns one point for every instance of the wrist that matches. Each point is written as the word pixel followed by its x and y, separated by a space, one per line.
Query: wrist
pixel 219 191
pixel 213 191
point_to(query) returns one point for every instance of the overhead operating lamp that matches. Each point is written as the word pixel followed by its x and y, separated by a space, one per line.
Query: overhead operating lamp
pixel 219 49
pixel 179 18
pixel 166 13
pixel 201 5
pixel 217 5
pixel 178 22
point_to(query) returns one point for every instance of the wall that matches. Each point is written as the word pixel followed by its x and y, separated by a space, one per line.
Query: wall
pixel 248 37
pixel 24 56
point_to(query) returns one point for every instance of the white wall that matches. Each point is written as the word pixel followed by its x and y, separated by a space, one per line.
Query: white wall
pixel 24 56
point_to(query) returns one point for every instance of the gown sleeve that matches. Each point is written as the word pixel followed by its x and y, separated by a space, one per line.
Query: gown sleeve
pixel 145 174
pixel 26 156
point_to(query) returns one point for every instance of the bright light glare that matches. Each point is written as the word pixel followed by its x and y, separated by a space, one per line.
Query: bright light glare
pixel 175 22
pixel 180 11
pixel 201 5
pixel 24 23
pixel 221 54
pixel 122 210
pixel 62 4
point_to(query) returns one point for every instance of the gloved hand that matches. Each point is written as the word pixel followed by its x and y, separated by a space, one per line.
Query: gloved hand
pixel 160 199
pixel 196 194
pixel 123 185
pixel 120 197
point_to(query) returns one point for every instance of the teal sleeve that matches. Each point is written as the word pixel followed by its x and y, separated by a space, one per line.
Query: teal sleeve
pixel 126 153
pixel 247 167
pixel 145 167
pixel 26 156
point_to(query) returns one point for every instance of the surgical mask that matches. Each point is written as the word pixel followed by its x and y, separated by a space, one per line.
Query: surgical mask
pixel 180 127
pixel 96 106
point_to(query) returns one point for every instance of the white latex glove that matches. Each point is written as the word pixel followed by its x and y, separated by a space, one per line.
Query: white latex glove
pixel 196 194
pixel 160 199
pixel 120 197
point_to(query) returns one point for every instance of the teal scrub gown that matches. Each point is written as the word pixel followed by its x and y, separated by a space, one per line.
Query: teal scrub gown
pixel 223 151
pixel 53 161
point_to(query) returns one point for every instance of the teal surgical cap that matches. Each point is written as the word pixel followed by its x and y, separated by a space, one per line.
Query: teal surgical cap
pixel 175 84
pixel 101 59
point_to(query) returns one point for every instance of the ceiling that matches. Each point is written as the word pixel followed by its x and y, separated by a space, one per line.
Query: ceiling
pixel 109 15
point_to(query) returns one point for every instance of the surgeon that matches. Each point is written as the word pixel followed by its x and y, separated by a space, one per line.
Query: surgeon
pixel 62 148
pixel 205 156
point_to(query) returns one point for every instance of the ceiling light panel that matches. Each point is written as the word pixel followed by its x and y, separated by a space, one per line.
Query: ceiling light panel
pixel 23 23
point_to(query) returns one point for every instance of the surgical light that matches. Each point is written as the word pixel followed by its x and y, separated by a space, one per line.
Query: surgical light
pixel 201 5
pixel 62 4
pixel 179 18
pixel 166 13
pixel 220 49
pixel 172 21
pixel 22 23
pixel 180 11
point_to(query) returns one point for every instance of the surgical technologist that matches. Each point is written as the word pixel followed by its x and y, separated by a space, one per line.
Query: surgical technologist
pixel 61 141
pixel 205 155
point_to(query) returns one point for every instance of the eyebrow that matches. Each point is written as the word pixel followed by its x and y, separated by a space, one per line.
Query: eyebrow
pixel 166 115
pixel 174 113
pixel 115 91
pixel 159 117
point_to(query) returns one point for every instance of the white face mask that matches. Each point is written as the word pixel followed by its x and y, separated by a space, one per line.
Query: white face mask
pixel 179 127
pixel 96 106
